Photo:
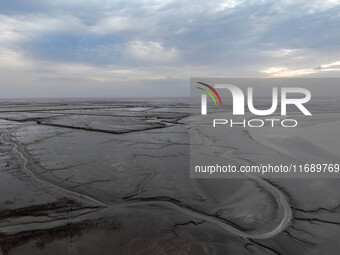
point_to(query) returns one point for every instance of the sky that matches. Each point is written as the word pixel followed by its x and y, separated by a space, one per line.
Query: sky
pixel 151 48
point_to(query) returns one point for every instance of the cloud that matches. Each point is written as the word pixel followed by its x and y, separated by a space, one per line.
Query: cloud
pixel 286 72
pixel 12 59
pixel 227 5
pixel 129 42
pixel 150 51
pixel 118 24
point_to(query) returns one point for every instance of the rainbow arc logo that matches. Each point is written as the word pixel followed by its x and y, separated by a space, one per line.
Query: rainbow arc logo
pixel 209 93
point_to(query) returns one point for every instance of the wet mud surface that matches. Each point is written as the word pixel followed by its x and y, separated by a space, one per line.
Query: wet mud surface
pixel 97 176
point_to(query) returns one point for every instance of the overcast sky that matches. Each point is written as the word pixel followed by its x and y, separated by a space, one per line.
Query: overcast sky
pixel 82 48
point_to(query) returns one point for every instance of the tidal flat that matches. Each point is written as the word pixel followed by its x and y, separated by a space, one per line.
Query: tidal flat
pixel 111 176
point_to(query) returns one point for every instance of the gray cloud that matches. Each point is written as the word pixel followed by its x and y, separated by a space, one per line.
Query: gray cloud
pixel 109 46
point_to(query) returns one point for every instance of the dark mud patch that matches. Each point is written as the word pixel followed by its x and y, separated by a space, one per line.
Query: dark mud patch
pixel 42 237
pixel 61 205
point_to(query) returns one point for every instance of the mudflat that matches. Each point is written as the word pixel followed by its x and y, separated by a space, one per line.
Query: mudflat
pixel 110 176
